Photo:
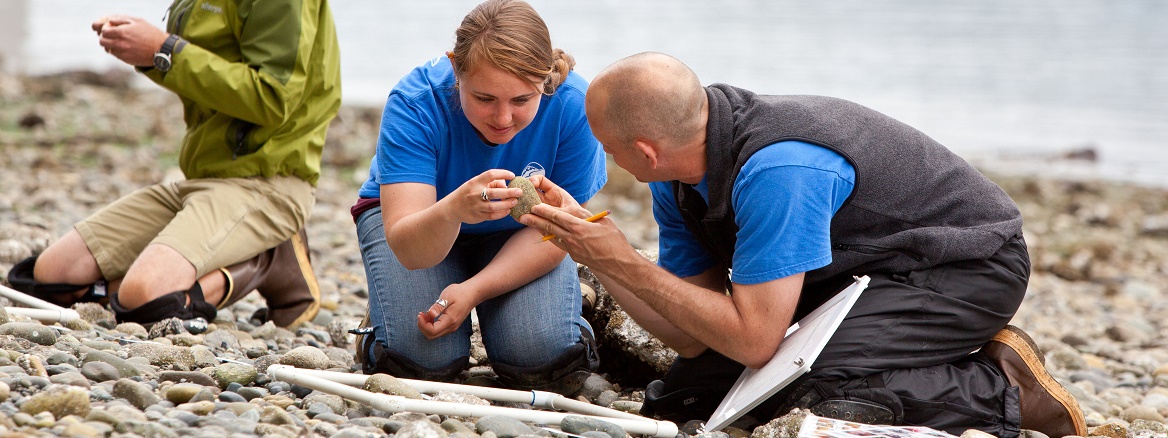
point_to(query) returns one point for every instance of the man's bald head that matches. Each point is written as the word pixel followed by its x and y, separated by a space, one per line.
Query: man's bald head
pixel 650 96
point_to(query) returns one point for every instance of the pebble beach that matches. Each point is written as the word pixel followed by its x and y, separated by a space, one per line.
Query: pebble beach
pixel 72 142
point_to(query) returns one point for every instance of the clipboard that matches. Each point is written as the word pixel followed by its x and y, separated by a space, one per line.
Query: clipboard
pixel 801 345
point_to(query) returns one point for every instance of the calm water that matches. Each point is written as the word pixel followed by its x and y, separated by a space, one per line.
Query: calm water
pixel 989 78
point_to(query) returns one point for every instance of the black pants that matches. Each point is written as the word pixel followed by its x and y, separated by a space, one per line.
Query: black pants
pixel 907 341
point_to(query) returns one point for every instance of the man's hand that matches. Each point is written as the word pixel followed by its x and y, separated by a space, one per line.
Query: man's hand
pixel 590 243
pixel 130 39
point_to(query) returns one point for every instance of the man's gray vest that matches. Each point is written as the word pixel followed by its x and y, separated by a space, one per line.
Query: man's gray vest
pixel 915 204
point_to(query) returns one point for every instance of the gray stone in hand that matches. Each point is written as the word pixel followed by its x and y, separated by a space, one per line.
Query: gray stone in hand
pixel 529 199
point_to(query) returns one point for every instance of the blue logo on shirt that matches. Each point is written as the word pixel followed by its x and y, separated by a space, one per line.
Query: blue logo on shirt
pixel 533 169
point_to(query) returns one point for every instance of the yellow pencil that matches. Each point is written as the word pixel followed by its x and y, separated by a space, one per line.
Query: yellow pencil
pixel 594 218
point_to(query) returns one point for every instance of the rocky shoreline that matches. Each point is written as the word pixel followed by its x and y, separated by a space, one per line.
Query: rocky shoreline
pixel 73 142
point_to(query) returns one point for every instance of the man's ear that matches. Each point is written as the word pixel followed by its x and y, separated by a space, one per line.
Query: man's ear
pixel 648 150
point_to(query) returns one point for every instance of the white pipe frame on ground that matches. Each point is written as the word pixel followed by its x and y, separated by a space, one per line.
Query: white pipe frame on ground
pixel 539 399
pixel 336 383
pixel 41 310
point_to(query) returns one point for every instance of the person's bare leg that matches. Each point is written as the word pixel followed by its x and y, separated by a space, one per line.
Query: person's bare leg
pixel 67 261
pixel 214 286
pixel 161 270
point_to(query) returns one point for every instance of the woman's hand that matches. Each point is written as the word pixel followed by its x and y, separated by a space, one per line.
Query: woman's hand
pixel 485 197
pixel 439 321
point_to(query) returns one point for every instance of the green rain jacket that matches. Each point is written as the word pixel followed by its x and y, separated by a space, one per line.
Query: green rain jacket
pixel 259 82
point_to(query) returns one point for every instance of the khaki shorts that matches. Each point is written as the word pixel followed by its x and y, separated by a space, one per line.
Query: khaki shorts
pixel 213 222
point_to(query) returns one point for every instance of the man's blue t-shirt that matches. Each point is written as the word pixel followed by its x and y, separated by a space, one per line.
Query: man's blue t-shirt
pixel 783 201
pixel 425 138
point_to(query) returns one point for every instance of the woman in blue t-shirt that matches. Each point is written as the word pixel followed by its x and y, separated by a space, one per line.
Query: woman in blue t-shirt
pixel 433 222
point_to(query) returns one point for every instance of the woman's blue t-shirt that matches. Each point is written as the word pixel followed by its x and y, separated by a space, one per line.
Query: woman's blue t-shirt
pixel 425 138
pixel 783 199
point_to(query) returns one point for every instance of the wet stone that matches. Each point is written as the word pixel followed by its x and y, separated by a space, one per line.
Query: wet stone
pixel 71 378
pixel 182 392
pixel 61 369
pixel 387 384
pixel 94 313
pixel 99 372
pixel 329 417
pixel 163 356
pixel 578 424
pixel 62 358
pixel 593 386
pixel 251 392
pixel 125 369
pixel 220 340
pixel 300 391
pixel 231 397
pixel 195 377
pixel 335 403
pixel 33 332
pixel 149 429
pixel 101 345
pixel 317 408
pixel 421 429
pixel 133 329
pixel 275 415
pixel 502 427
pixel 278 387
pixel 229 373
pixel 306 357
pixel 197 408
pixel 138 394
pixel 167 327
pixel 205 394
pixel 59 400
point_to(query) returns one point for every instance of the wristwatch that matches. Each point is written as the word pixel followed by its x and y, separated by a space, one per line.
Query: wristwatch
pixel 162 57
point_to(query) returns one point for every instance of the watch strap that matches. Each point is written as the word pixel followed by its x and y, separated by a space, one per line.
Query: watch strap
pixel 168 45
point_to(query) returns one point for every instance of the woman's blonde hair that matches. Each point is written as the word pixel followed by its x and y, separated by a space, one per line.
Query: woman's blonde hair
pixel 513 37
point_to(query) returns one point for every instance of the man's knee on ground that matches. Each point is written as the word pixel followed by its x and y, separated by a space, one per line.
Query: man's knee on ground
pixel 182 304
pixel 68 260
pixel 21 277
pixel 135 292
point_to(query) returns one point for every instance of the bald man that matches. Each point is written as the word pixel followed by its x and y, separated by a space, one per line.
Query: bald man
pixel 767 207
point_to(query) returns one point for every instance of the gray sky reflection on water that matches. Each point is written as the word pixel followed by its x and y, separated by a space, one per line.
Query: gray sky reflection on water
pixel 989 78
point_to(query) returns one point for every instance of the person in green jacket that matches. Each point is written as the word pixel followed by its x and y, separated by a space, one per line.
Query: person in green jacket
pixel 259 83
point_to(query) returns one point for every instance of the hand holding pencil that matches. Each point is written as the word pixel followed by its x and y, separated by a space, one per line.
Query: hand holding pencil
pixel 592 218
pixel 590 239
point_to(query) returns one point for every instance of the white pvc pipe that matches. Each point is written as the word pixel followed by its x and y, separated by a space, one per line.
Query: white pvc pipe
pixel 26 299
pixel 60 315
pixel 393 403
pixel 539 399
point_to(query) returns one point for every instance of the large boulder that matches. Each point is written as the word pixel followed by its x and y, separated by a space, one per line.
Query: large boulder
pixel 627 350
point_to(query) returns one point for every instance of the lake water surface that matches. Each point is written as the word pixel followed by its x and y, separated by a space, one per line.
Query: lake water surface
pixel 1026 81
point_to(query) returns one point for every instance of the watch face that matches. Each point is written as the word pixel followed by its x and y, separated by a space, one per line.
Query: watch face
pixel 162 62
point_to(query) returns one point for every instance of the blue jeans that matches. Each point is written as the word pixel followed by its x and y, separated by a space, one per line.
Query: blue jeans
pixel 526 327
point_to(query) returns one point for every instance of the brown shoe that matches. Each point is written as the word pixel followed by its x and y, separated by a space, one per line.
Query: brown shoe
pixel 1047 407
pixel 587 298
pixel 283 276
